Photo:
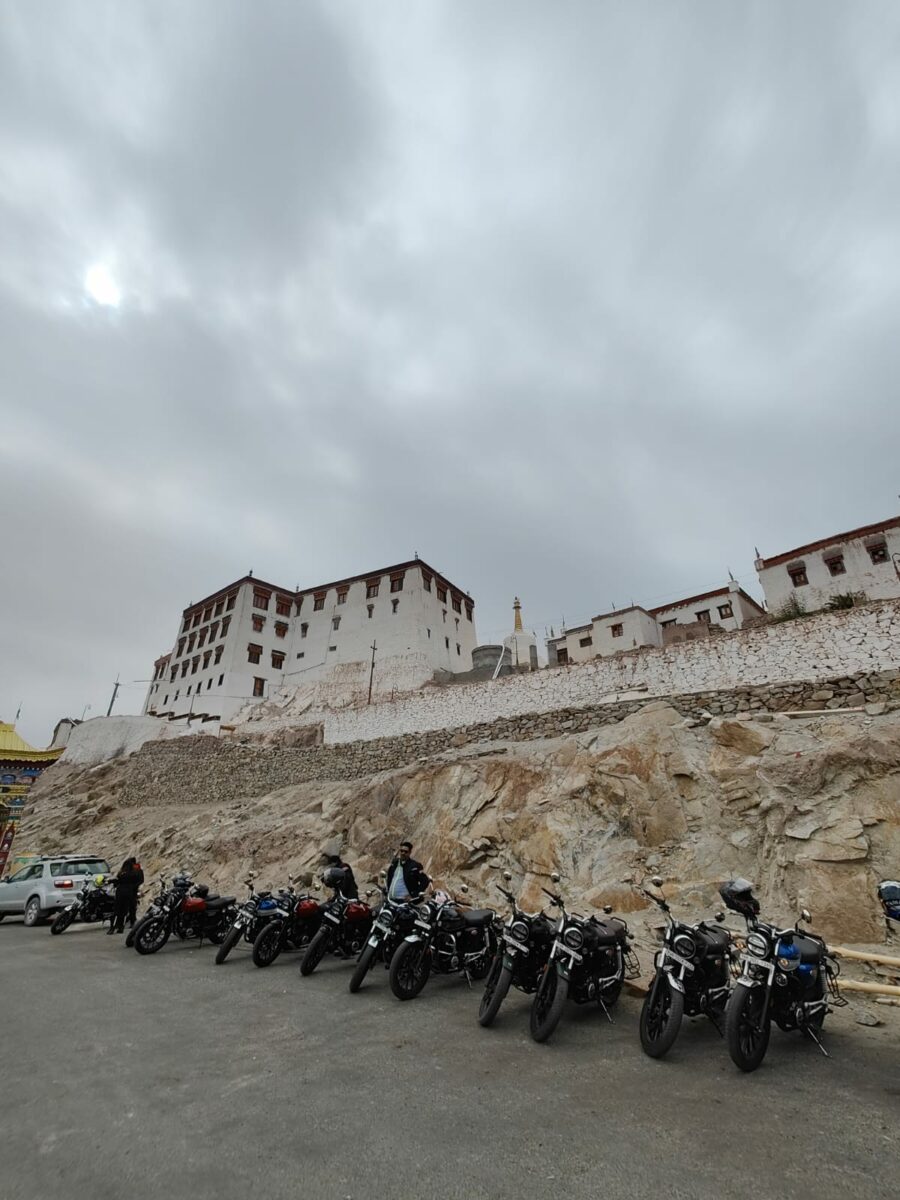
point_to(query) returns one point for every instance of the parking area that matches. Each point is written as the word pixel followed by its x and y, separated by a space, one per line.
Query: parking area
pixel 169 1076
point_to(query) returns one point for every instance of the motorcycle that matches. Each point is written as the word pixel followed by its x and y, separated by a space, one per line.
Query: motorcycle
pixel 523 952
pixel 181 882
pixel 787 975
pixel 95 902
pixel 294 922
pixel 345 927
pixel 692 977
pixel 189 913
pixel 394 921
pixel 251 917
pixel 447 940
pixel 589 961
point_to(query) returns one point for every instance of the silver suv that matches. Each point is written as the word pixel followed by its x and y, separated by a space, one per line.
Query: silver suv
pixel 46 886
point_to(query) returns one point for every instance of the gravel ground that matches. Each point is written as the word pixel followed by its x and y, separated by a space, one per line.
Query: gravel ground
pixel 170 1077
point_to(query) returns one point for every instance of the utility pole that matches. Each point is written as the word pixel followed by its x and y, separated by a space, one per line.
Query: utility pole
pixel 112 698
pixel 371 672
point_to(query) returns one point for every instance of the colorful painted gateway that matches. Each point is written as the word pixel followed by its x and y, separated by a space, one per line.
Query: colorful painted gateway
pixel 20 766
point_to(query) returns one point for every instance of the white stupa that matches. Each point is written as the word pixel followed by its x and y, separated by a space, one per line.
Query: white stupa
pixel 522 646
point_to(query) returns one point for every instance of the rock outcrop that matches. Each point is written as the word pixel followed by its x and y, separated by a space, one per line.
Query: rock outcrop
pixel 808 809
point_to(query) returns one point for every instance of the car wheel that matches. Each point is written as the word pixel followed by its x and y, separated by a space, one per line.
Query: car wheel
pixel 33 911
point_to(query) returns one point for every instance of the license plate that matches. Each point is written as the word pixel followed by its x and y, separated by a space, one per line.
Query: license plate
pixel 670 955
pixel 520 946
pixel 373 942
pixel 573 954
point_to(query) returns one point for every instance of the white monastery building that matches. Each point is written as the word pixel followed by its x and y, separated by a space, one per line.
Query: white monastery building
pixel 864 561
pixel 725 609
pixel 391 630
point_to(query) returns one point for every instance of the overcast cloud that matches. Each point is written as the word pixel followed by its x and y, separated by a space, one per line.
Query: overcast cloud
pixel 581 301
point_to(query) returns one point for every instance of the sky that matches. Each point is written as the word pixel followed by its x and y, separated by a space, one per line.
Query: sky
pixel 579 301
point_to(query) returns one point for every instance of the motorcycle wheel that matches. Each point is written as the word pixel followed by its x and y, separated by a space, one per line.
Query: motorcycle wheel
pixel 230 940
pixel 495 990
pixel 661 1016
pixel 315 952
pixel 484 967
pixel 548 1004
pixel 747 1027
pixel 217 936
pixel 363 966
pixel 410 968
pixel 151 935
pixel 129 937
pixel 62 921
pixel 267 945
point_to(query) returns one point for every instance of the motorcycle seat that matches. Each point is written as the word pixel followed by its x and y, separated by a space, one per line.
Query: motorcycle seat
pixel 220 901
pixel 607 932
pixel 477 916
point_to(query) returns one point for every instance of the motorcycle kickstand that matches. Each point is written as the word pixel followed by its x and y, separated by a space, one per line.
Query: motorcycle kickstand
pixel 606 1011
pixel 718 1028
pixel 818 1043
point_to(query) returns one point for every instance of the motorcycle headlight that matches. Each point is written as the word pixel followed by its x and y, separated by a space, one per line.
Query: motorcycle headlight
pixel 519 931
pixel 386 917
pixel 684 945
pixel 788 964
pixel 757 944
pixel 573 937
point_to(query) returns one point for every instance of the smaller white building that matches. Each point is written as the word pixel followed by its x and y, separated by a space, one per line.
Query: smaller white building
pixel 865 561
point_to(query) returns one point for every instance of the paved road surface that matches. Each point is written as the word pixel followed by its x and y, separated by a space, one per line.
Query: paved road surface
pixel 125 1078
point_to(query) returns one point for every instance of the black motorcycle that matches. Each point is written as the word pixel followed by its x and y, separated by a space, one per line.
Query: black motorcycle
pixel 95 902
pixel 447 940
pixel 692 977
pixel 181 882
pixel 394 922
pixel 787 976
pixel 250 918
pixel 522 954
pixel 294 923
pixel 589 961
pixel 346 925
pixel 193 913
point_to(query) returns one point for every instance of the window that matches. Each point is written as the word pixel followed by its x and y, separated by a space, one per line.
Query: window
pixel 394 605
pixel 668 624
pixel 195 663
pixel 301 654
pixel 586 641
pixel 444 615
pixel 616 630
pixel 703 616
pixel 457 604
pixel 798 576
pixel 282 606
pixel 180 650
pixel 226 621
pixel 458 651
pixel 207 612
pixel 253 652
pixel 189 689
pixel 172 674
pixel 221 681
pixel 562 654
pixel 191 641
pixel 299 604
pixel 219 607
pixel 426 582
pixel 196 620
pixel 281 629
pixel 208 684
pixel 258 623
pixel 835 564
pixel 370 608
pixel 447 642
pixel 342 595
pixel 878 553
pixel 725 611
pixel 372 588
pixel 442 594
pixel 396 583
pixel 261 598
pixel 277 659
pixel 468 611
pixel 213 630
pixel 206 657
pixel 165 699
pixel 319 602
pixel 304 629
pixel 456 623
pixel 229 603
pixel 218 657
pixel 187 624
pixel 335 622
pixel 428 631
pixel 184 668
pixel 332 647
pixel 201 641
pixel 259 687
pixel 177 693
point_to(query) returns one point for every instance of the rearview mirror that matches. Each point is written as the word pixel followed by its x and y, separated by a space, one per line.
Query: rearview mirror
pixel 507 875
pixel 805 915
pixel 720 916
pixel 554 875
pixel 463 887
pixel 607 908
pixel 657 881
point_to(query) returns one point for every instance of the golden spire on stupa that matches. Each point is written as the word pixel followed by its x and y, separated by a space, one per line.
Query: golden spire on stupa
pixel 517 609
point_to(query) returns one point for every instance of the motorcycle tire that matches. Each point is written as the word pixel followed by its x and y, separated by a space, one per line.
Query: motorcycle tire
pixel 747 1045
pixel 62 921
pixel 315 952
pixel 495 990
pixel 151 935
pixel 661 1017
pixel 129 937
pixel 267 945
pixel 410 968
pixel 363 967
pixel 217 936
pixel 548 1004
pixel 230 940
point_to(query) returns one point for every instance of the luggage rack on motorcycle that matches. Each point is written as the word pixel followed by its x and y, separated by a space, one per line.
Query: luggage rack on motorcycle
pixel 632 966
pixel 832 971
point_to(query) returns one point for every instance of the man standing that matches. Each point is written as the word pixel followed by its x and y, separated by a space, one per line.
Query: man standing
pixel 405 876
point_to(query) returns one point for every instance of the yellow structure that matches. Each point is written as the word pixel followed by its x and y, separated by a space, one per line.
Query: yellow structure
pixel 20 766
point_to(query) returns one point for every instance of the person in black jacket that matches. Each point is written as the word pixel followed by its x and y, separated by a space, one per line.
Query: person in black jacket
pixel 405 876
pixel 127 883
pixel 347 885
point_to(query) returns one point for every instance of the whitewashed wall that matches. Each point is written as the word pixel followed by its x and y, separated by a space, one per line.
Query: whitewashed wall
pixel 877 581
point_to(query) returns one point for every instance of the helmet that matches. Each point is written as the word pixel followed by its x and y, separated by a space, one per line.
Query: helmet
pixel 889 895
pixel 99 880
pixel 738 896
pixel 333 877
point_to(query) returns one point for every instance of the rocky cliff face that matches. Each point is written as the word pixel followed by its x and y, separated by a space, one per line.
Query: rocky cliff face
pixel 808 810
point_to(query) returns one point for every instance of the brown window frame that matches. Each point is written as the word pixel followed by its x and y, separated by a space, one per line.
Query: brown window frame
pixel 342 595
pixel 254 653
pixel 207 655
pixel 278 660
pixel 319 602
pixel 586 641
pixel 836 560
pixel 726 611
pixel 258 622
pixel 880 549
pixel 442 594
pixel 261 599
pixel 426 581
pixel 372 586
pixel 396 583
pixel 259 687
pixel 219 608
pixel 226 622
pixel 230 600
pixel 218 656
pixel 704 616
pixel 281 628
pixel 617 630
pixel 304 629
pixel 282 606
pixel 798 575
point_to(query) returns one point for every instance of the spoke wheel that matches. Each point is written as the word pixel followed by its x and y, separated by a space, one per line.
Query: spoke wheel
pixel 548 1004
pixel 151 936
pixel 62 921
pixel 661 1018
pixel 231 939
pixel 747 1027
pixel 363 967
pixel 495 989
pixel 315 952
pixel 267 945
pixel 410 968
